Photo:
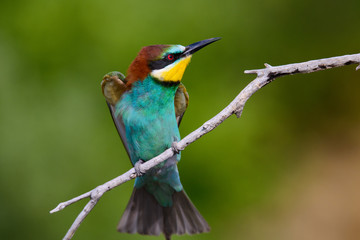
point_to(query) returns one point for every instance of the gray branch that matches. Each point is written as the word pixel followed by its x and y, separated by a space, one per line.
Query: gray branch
pixel 264 76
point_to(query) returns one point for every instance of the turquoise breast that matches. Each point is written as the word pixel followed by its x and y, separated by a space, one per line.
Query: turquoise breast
pixel 148 114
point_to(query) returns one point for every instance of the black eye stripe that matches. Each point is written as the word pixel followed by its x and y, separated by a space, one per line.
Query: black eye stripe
pixel 161 63
pixel 176 56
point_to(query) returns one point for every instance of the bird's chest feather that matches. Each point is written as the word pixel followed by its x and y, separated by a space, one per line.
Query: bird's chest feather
pixel 148 114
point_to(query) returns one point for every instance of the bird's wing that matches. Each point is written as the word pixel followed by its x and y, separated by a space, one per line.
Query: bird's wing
pixel 181 102
pixel 113 86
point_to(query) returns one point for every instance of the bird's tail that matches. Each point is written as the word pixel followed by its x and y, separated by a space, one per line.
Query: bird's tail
pixel 144 215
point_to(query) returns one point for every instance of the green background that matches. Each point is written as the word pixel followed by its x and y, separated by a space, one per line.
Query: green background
pixel 298 137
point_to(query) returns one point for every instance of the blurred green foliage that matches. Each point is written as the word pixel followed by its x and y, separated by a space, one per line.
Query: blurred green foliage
pixel 57 139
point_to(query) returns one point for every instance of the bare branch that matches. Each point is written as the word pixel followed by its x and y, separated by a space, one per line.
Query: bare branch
pixel 306 67
pixel 264 76
pixel 63 205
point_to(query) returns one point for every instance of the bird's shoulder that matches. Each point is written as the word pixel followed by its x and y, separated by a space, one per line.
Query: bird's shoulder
pixel 181 102
pixel 113 86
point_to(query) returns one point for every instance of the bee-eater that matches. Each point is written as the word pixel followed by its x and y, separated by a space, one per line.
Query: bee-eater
pixel 147 107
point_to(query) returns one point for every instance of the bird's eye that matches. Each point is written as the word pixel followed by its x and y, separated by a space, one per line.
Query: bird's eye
pixel 170 57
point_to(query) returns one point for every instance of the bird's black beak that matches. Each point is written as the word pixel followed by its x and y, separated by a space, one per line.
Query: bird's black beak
pixel 192 48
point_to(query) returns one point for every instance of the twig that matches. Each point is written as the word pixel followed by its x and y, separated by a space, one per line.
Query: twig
pixel 264 76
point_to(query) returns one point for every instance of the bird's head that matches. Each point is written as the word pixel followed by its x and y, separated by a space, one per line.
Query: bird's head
pixel 166 63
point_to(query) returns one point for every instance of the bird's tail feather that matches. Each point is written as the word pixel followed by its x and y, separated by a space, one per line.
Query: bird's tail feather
pixel 144 215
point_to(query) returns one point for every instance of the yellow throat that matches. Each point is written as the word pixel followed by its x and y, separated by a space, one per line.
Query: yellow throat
pixel 173 72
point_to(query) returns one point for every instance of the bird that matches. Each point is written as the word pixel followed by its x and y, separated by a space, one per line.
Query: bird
pixel 147 107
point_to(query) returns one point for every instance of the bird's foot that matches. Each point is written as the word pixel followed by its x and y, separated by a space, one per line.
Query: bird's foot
pixel 175 147
pixel 137 168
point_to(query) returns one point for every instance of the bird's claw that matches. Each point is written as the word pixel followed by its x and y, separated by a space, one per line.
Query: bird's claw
pixel 175 147
pixel 137 168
